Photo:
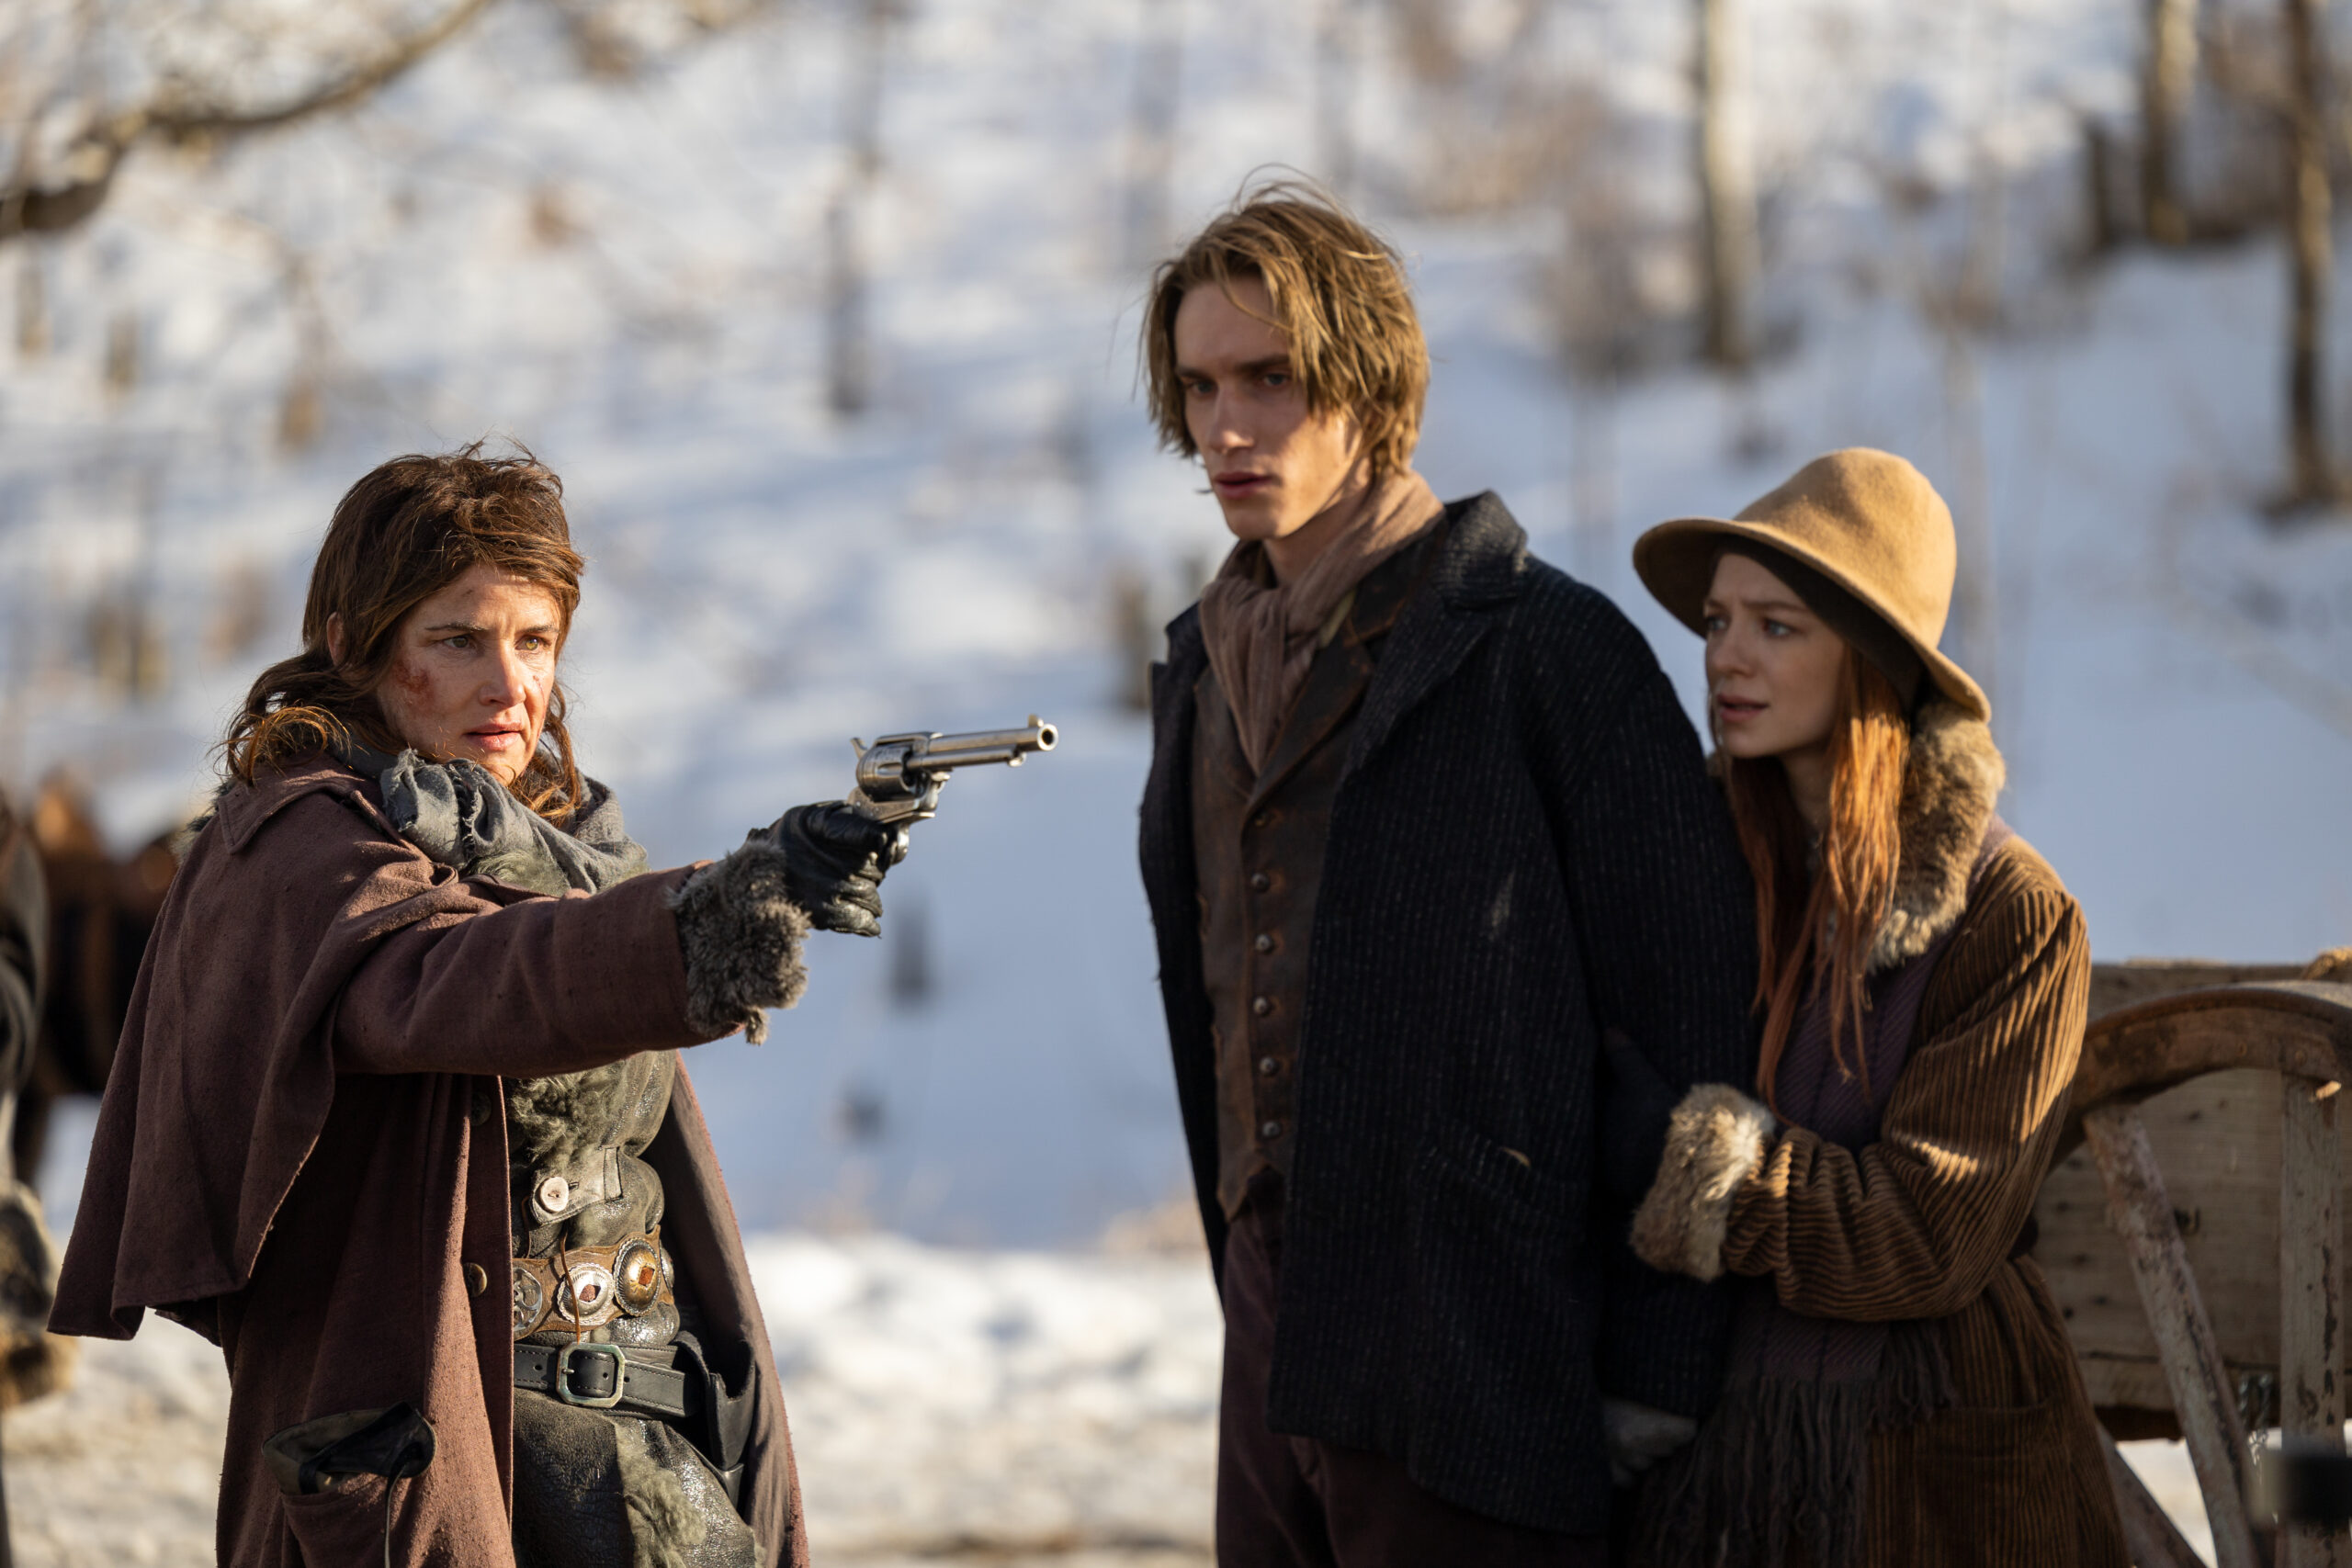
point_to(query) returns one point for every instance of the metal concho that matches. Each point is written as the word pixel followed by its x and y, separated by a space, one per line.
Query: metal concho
pixel 588 1296
pixel 530 1301
pixel 638 1276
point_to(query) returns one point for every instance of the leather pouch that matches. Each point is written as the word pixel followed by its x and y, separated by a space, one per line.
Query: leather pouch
pixel 724 1425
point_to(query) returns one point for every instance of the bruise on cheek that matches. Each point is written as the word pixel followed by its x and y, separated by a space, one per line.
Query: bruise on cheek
pixel 414 681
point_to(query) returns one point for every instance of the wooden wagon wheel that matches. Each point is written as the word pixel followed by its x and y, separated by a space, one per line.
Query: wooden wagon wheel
pixel 2188 1062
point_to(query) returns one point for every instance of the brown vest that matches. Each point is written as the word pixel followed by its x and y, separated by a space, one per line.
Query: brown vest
pixel 1258 847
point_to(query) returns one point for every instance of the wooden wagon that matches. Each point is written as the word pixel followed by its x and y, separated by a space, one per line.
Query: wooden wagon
pixel 2192 1227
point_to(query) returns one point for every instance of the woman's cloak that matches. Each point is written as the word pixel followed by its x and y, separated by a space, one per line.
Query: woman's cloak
pixel 302 1156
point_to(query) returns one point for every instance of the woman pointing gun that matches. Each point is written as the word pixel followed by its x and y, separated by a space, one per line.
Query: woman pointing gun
pixel 398 1119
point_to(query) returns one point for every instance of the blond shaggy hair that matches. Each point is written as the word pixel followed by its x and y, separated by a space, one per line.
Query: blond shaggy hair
pixel 1339 301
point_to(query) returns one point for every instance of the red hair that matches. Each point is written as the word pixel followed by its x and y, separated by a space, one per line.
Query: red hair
pixel 1818 906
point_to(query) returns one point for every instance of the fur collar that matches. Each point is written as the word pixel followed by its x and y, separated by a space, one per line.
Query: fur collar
pixel 1953 777
pixel 1949 783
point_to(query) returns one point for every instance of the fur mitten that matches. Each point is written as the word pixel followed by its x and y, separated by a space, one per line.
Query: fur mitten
pixel 1716 1140
pixel 741 933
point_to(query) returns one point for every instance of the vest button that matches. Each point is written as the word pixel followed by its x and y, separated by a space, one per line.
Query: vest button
pixel 1260 882
pixel 1268 1066
pixel 1264 944
pixel 476 1278
pixel 1270 1129
pixel 1261 1006
pixel 555 1194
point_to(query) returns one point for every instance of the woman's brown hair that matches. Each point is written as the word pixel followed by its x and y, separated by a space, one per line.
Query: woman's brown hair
pixel 1819 908
pixel 403 533
pixel 1339 301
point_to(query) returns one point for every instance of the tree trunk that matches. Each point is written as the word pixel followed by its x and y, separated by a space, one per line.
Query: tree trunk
pixel 849 353
pixel 32 307
pixel 1151 132
pixel 2310 251
pixel 1336 41
pixel 2168 78
pixel 1727 186
pixel 1975 609
pixel 2099 187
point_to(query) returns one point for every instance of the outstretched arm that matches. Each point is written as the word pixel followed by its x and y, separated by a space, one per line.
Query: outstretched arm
pixel 553 986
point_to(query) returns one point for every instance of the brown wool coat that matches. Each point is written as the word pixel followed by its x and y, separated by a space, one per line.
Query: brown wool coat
pixel 1924 1222
pixel 302 1156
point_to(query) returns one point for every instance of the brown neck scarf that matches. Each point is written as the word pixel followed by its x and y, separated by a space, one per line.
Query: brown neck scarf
pixel 1262 636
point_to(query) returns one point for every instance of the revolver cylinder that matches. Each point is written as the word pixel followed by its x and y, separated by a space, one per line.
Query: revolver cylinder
pixel 899 776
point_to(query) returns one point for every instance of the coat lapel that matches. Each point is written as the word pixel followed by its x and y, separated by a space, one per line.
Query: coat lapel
pixel 1480 562
pixel 1334 683
pixel 1167 837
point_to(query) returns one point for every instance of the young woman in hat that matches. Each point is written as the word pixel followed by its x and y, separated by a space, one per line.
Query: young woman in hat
pixel 1901 1391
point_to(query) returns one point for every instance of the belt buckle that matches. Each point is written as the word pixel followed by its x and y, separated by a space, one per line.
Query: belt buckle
pixel 589 1401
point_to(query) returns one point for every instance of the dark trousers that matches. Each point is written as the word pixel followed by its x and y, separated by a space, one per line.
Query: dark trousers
pixel 1285 1502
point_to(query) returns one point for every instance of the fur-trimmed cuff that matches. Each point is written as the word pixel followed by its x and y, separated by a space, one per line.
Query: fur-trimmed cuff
pixel 741 938
pixel 1717 1139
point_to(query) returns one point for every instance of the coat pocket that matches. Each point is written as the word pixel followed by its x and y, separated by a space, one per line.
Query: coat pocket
pixel 1976 1486
pixel 1503 1311
pixel 1484 1184
pixel 342 1526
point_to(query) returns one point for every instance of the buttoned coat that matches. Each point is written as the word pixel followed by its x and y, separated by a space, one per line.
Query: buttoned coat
pixel 1523 850
pixel 302 1156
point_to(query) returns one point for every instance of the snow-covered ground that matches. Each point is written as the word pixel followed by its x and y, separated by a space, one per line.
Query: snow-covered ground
pixel 1011 1408
pixel 1008 1407
pixel 627 274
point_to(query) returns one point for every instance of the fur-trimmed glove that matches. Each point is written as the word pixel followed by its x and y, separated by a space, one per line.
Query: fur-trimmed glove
pixel 834 859
pixel 741 919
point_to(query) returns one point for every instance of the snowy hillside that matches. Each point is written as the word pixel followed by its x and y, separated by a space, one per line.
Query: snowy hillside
pixel 628 275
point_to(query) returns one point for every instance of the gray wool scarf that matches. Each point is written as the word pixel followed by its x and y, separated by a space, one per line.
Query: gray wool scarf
pixel 460 814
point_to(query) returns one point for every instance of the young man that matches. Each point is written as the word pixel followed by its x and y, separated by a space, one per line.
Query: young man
pixel 1424 822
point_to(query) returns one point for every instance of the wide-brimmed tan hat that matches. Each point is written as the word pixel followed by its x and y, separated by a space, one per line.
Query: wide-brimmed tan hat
pixel 1867 521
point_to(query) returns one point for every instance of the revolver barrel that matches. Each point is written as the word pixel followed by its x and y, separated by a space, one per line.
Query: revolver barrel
pixel 899 776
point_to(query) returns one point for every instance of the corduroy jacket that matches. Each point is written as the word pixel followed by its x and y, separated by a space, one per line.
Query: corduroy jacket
pixel 1523 850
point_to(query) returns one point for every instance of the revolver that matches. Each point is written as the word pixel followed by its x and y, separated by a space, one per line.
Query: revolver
pixel 899 776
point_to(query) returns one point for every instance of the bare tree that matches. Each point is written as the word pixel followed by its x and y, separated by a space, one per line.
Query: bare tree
pixel 2167 81
pixel 1598 312
pixel 1727 186
pixel 1488 113
pixel 37 201
pixel 1146 218
pixel 1338 46
pixel 849 347
pixel 2311 255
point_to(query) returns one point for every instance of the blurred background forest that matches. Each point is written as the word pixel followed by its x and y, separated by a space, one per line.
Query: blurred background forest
pixel 824 310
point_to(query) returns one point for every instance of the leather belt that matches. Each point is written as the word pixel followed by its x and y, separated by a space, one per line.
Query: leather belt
pixel 586 1287
pixel 607 1377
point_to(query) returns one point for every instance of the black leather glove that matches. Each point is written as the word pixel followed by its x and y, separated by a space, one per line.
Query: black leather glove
pixel 834 858
pixel 1636 1105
